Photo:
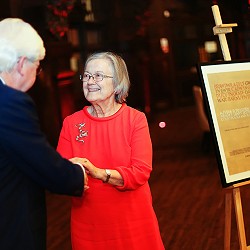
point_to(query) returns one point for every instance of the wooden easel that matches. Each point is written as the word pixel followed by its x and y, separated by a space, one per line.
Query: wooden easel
pixel 221 29
pixel 233 191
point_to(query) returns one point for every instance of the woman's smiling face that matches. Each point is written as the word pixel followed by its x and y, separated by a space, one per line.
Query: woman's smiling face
pixel 100 91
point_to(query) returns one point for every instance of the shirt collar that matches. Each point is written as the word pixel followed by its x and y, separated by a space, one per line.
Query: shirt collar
pixel 2 80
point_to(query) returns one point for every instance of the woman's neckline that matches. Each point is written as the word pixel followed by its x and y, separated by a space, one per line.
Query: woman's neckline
pixel 85 109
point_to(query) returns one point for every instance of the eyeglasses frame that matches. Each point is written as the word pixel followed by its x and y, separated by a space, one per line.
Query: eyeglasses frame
pixel 93 76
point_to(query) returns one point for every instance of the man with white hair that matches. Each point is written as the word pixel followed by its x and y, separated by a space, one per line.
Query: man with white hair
pixel 28 164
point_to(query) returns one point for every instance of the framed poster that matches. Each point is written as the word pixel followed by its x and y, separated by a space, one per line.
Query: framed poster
pixel 226 91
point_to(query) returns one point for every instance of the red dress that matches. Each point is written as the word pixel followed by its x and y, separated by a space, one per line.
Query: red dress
pixel 107 216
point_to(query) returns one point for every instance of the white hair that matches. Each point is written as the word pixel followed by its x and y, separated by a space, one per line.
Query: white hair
pixel 18 38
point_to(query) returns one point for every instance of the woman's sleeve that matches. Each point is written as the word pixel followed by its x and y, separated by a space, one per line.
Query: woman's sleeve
pixel 140 167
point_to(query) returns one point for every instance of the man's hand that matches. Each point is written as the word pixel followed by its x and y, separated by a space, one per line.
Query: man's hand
pixel 77 160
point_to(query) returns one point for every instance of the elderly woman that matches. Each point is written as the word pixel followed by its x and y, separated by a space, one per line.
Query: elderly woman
pixel 116 211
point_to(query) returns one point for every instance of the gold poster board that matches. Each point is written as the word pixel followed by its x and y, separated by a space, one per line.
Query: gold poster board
pixel 226 90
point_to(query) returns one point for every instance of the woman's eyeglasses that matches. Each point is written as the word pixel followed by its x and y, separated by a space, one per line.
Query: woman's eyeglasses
pixel 97 77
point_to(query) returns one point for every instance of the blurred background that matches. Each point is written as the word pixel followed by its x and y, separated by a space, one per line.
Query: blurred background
pixel 161 41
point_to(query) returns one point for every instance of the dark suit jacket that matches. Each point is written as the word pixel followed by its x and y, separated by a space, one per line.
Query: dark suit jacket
pixel 28 165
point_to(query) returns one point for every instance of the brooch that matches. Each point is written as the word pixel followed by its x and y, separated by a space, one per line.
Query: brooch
pixel 82 133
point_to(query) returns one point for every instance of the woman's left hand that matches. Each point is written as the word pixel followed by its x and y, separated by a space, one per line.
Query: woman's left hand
pixel 92 170
pixel 99 173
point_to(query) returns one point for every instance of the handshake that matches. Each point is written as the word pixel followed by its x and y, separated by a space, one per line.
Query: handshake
pixel 87 167
pixel 110 176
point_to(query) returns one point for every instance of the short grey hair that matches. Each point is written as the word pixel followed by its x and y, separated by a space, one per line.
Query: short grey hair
pixel 120 73
pixel 17 39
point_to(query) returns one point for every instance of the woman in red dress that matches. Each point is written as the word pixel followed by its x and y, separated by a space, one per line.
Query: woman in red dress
pixel 116 211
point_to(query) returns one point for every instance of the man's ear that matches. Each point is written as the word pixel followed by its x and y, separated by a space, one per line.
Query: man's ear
pixel 20 64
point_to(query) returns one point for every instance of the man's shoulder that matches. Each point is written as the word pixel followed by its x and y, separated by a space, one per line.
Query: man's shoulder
pixel 11 94
pixel 13 101
pixel 6 94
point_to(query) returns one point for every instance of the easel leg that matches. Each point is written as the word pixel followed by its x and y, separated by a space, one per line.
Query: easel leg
pixel 228 213
pixel 239 218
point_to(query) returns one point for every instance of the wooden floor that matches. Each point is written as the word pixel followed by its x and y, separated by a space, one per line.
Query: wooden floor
pixel 187 194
